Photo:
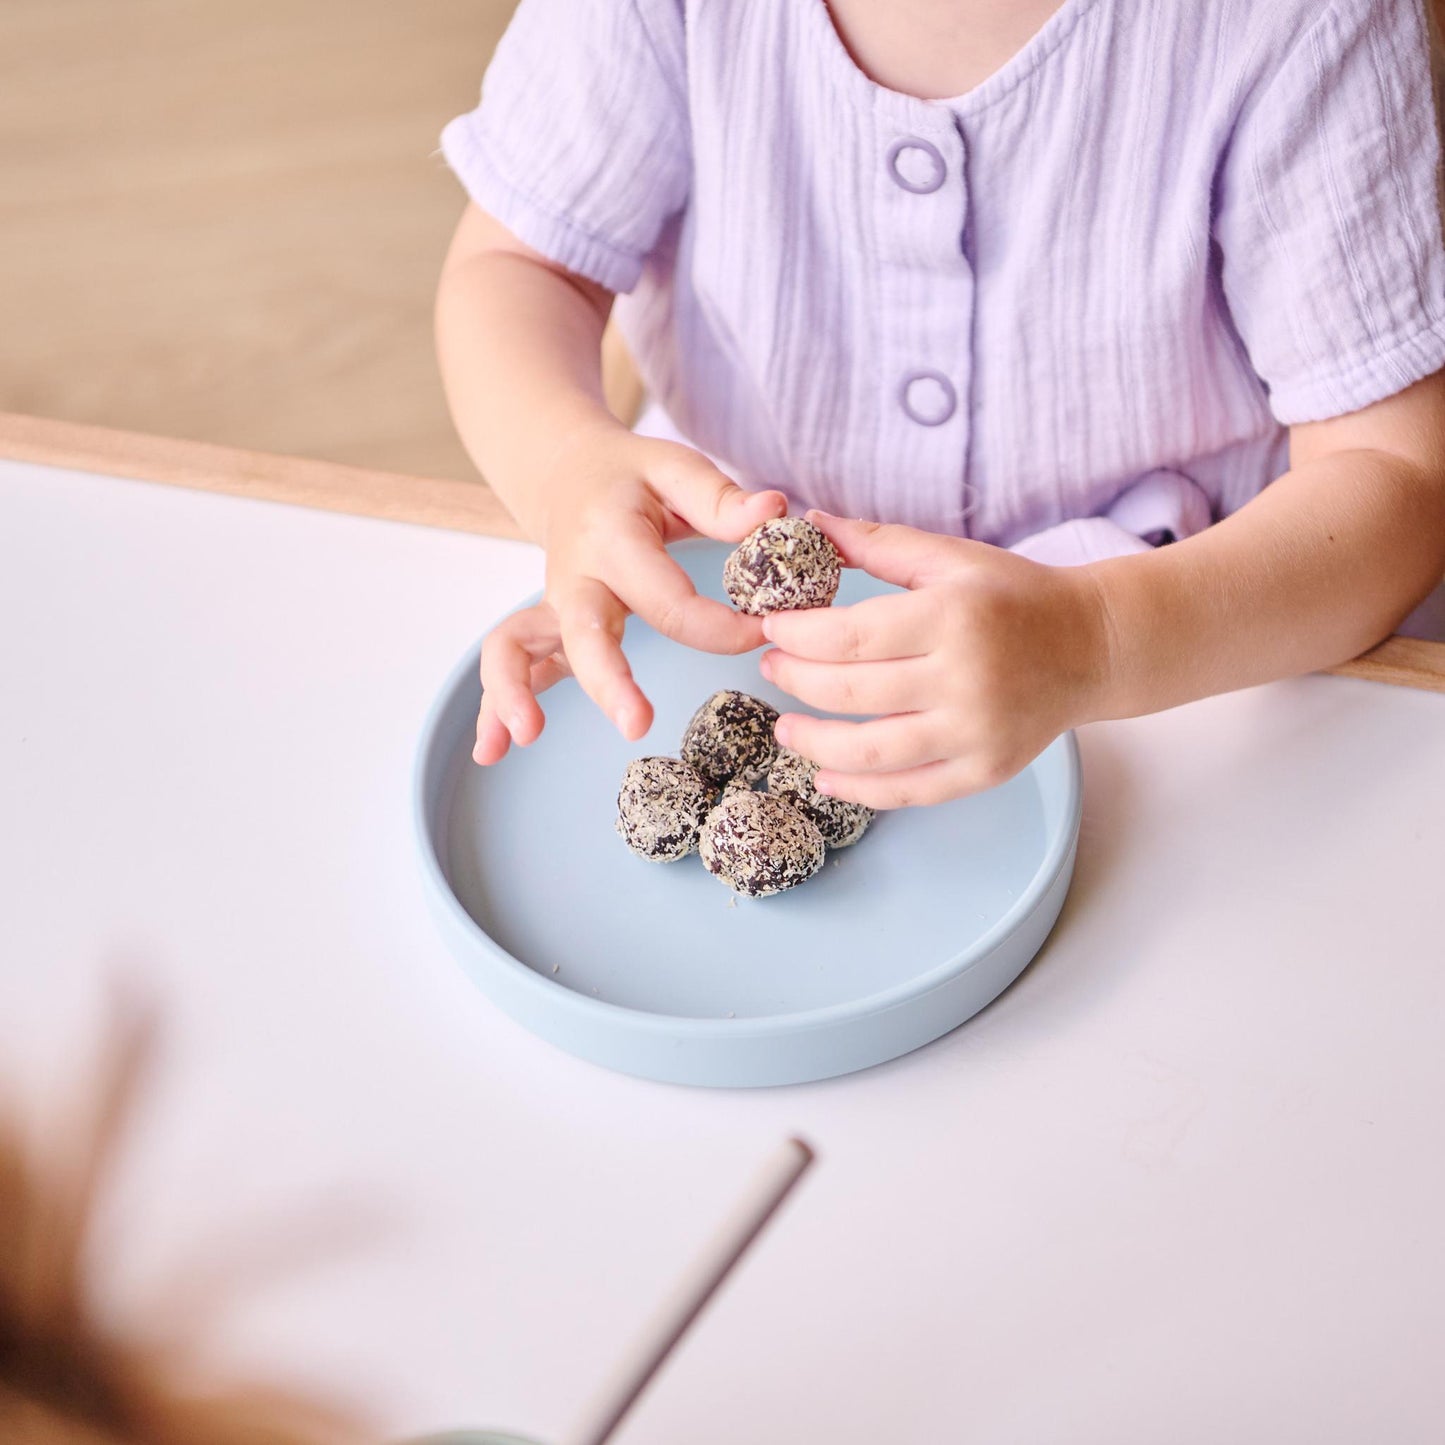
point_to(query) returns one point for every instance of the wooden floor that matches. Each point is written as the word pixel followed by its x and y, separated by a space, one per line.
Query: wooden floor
pixel 222 219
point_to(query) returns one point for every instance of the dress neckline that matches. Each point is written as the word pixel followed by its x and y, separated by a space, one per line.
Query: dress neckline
pixel 862 88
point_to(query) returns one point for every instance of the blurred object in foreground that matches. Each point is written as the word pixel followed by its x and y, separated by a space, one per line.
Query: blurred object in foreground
pixel 63 1379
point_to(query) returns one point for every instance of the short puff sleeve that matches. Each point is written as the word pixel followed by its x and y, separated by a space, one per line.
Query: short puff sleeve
pixel 580 144
pixel 1328 216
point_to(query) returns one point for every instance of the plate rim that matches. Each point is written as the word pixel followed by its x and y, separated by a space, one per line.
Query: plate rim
pixel 551 993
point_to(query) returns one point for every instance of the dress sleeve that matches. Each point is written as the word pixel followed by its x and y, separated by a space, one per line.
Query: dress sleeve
pixel 580 144
pixel 1327 214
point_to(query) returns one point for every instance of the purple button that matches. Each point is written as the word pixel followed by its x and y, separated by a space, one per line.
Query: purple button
pixel 928 397
pixel 916 165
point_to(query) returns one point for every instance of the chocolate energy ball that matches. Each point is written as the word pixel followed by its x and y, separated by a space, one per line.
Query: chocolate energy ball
pixel 661 807
pixel 758 844
pixel 841 823
pixel 781 566
pixel 731 736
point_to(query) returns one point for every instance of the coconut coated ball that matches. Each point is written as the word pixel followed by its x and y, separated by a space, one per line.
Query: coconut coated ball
pixel 841 823
pixel 759 845
pixel 783 565
pixel 661 808
pixel 731 736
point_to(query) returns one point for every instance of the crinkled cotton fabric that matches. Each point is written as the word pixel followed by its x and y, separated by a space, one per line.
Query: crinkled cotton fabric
pixel 1084 299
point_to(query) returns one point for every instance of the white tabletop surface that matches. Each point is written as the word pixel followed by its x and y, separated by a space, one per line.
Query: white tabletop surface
pixel 1183 1182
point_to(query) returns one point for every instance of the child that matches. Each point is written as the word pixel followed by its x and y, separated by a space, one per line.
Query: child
pixel 1157 272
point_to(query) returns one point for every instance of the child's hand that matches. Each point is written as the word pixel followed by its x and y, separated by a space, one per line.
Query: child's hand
pixel 618 501
pixel 971 673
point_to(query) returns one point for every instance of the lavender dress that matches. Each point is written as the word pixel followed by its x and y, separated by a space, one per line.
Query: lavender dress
pixel 1071 311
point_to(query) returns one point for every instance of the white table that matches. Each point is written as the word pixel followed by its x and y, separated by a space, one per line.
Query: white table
pixel 1182 1183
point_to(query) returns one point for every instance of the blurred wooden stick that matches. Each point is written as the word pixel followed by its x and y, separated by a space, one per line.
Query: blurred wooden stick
pixel 749 1216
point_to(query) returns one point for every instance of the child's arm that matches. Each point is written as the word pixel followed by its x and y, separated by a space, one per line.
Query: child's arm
pixel 519 342
pixel 1323 564
pixel 989 657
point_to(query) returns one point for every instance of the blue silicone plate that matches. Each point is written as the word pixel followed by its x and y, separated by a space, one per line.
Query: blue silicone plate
pixel 655 969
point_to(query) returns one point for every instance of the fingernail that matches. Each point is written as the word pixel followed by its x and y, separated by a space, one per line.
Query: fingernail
pixel 783 730
pixel 820 785
pixel 765 665
pixel 513 722
pixel 768 626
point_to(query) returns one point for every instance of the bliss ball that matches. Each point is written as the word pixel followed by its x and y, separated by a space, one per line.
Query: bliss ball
pixel 759 844
pixel 782 566
pixel 841 823
pixel 661 807
pixel 731 736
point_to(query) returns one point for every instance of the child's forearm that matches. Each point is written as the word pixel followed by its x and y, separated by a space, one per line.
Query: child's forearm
pixel 1320 566
pixel 519 345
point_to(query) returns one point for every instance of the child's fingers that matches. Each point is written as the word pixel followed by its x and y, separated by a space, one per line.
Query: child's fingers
pixel 508 653
pixel 903 685
pixel 493 739
pixel 493 736
pixel 884 745
pixel 660 592
pixel 901 555
pixel 710 502
pixel 593 620
pixel 549 672
pixel 909 787
pixel 871 631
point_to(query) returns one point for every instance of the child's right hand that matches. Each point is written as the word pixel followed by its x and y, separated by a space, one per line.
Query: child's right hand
pixel 616 502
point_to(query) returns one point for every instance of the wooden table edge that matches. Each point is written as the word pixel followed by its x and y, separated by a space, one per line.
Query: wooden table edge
pixel 299 481
pixel 426 501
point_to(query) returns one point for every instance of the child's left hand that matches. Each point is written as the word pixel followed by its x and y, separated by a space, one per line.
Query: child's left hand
pixel 970 674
